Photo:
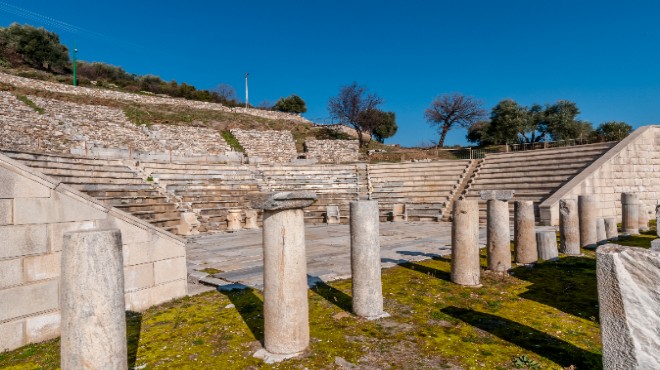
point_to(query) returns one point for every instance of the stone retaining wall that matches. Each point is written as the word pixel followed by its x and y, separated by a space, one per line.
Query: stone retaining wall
pixel 633 165
pixel 35 211
pixel 333 151
pixel 267 146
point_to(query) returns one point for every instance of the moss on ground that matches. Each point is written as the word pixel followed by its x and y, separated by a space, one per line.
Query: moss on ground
pixel 546 315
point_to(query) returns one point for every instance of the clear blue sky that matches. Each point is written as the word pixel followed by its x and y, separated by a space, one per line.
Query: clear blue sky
pixel 604 55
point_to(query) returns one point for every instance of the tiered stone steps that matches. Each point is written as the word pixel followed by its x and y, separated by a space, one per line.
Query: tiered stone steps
pixel 209 190
pixel 425 187
pixel 533 175
pixel 109 181
pixel 334 185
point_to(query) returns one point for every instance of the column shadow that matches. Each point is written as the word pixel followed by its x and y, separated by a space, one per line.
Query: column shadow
pixel 555 349
pixel 133 328
pixel 330 294
pixel 249 306
pixel 567 284
pixel 438 274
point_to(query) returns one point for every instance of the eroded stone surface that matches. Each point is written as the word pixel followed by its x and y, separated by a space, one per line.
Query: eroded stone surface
pixel 282 200
pixel 496 194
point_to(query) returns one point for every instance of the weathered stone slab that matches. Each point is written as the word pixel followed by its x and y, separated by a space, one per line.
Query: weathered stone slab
pixel 655 245
pixel 169 270
pixel 42 267
pixel 11 335
pixel 58 208
pixel 138 277
pixel 11 272
pixel 496 194
pixel 6 211
pixel 56 232
pixel 28 299
pixel 16 186
pixel 629 304
pixel 42 327
pixel 23 240
pixel 282 200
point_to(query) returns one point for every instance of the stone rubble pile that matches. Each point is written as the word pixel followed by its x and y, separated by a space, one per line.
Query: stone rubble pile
pixel 333 151
pixel 267 146
pixel 188 139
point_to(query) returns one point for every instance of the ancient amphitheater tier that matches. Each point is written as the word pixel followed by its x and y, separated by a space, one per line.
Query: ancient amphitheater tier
pixel 267 146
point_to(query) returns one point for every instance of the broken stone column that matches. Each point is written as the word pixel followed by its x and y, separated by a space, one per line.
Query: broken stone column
pixel 234 219
pixel 546 240
pixel 569 227
pixel 286 314
pixel 93 326
pixel 251 219
pixel 588 212
pixel 629 306
pixel 189 225
pixel 643 220
pixel 600 231
pixel 399 213
pixel 465 269
pixel 524 232
pixel 365 260
pixel 498 234
pixel 611 230
pixel 332 215
pixel 630 213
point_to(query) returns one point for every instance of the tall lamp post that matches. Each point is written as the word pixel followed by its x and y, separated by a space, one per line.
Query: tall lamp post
pixel 246 89
pixel 75 77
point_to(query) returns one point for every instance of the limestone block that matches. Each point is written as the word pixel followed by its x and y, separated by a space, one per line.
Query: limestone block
pixel 42 327
pixel 11 335
pixel 138 277
pixel 11 272
pixel 142 299
pixel 23 240
pixel 629 305
pixel 130 233
pixel 189 224
pixel 58 208
pixel 6 211
pixel 170 270
pixel 496 194
pixel 42 267
pixel 15 185
pixel 158 249
pixel 56 232
pixel 29 299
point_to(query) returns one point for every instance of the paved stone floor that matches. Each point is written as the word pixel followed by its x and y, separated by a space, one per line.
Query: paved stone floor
pixel 239 255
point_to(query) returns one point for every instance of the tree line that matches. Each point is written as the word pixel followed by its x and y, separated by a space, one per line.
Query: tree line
pixel 512 123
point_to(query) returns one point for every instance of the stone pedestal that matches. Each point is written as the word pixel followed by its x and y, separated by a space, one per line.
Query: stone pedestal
pixel 524 232
pixel 399 213
pixel 547 245
pixel 234 219
pixel 286 313
pixel 332 215
pixel 629 306
pixel 643 219
pixel 588 212
pixel 611 230
pixel 600 231
pixel 569 227
pixel 465 269
pixel 251 219
pixel 189 225
pixel 630 213
pixel 498 234
pixel 365 260
pixel 92 303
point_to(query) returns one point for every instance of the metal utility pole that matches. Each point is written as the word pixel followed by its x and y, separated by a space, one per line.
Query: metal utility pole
pixel 246 89
pixel 75 78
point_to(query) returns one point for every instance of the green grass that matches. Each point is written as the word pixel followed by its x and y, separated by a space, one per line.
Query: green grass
pixel 30 103
pixel 232 141
pixel 543 317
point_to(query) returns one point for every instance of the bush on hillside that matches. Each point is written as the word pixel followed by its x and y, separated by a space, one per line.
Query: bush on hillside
pixel 25 45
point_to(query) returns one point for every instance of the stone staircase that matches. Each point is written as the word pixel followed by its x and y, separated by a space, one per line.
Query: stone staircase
pixel 267 146
pixel 110 181
pixel 425 187
pixel 533 175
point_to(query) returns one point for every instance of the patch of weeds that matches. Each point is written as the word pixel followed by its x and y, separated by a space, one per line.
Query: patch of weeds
pixel 138 116
pixel 522 362
pixel 232 141
pixel 150 178
pixel 30 103
pixel 211 271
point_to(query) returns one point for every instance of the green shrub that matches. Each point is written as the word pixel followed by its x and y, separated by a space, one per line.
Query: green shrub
pixel 232 141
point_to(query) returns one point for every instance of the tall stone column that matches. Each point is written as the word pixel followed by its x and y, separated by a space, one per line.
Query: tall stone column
pixel 365 260
pixel 588 212
pixel 601 233
pixel 569 227
pixel 92 303
pixel 546 240
pixel 643 218
pixel 524 232
pixel 630 213
pixel 251 218
pixel 286 312
pixel 498 234
pixel 465 269
pixel 611 228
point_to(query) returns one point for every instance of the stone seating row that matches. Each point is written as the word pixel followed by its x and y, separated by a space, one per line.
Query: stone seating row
pixel 532 175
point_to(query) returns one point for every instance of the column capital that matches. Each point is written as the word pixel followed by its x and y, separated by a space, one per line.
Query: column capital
pixel 282 200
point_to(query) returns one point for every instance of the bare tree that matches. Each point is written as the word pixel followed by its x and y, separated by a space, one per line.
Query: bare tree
pixel 225 91
pixel 349 105
pixel 451 110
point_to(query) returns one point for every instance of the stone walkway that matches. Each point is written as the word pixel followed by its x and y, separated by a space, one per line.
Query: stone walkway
pixel 238 256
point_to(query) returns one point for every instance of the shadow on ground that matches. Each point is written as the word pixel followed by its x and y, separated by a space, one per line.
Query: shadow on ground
pixel 438 274
pixel 249 306
pixel 529 338
pixel 331 294
pixel 568 284
pixel 133 328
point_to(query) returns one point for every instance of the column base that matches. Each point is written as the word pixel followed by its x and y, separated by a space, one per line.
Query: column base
pixel 381 316
pixel 272 358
